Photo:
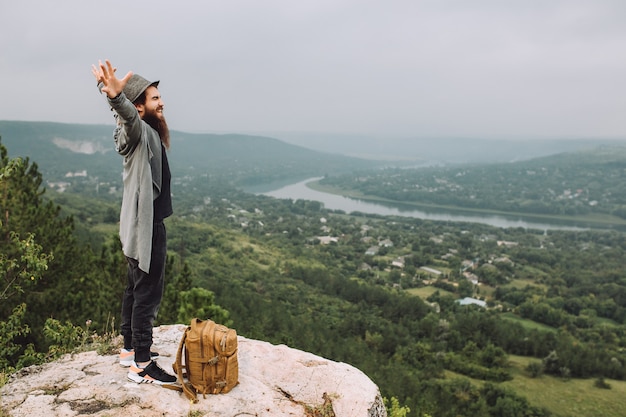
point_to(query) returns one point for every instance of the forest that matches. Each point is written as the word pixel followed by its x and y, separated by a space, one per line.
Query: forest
pixel 553 311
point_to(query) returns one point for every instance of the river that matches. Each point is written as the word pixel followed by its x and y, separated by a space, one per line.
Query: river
pixel 300 191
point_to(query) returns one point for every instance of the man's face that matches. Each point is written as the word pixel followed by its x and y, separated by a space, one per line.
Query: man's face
pixel 153 106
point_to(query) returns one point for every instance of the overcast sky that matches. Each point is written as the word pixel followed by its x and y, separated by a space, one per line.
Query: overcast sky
pixel 404 68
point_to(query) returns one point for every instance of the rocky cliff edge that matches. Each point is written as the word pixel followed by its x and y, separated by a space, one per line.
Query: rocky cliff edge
pixel 273 381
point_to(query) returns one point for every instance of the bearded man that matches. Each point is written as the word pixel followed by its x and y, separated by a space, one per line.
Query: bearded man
pixel 142 138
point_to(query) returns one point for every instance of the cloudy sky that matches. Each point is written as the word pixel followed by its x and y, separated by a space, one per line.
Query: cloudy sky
pixel 404 68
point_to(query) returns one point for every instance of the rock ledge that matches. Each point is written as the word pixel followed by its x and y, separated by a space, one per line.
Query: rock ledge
pixel 273 381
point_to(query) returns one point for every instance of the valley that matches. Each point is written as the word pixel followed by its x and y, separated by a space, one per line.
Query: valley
pixel 451 317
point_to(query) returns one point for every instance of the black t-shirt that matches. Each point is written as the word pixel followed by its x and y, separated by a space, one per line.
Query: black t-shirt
pixel 163 203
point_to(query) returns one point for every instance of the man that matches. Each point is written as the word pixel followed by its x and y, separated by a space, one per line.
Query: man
pixel 141 137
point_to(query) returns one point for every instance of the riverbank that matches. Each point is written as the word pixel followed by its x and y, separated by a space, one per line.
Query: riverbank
pixel 602 221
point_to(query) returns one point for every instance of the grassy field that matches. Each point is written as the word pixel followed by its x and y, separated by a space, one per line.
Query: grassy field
pixel 528 324
pixel 485 291
pixel 564 398
pixel 571 398
pixel 425 292
pixel 528 275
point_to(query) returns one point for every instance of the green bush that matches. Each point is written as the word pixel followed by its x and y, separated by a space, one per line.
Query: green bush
pixel 535 369
pixel 601 383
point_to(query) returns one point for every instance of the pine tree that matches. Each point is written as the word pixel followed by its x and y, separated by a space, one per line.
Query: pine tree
pixel 168 312
pixel 65 280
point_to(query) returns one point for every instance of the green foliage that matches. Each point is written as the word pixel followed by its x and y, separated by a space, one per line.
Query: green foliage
pixel 22 262
pixel 601 383
pixel 10 329
pixel 551 363
pixel 504 402
pixel 168 312
pixel 31 356
pixel 394 409
pixel 22 265
pixel 45 268
pixel 535 369
pixel 469 367
pixel 64 337
pixel 200 303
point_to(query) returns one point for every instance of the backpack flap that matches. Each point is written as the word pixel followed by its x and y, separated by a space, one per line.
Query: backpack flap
pixel 225 340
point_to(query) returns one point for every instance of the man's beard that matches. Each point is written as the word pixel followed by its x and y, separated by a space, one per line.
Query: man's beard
pixel 160 125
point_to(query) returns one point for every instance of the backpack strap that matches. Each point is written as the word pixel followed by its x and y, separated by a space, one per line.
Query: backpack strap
pixel 178 368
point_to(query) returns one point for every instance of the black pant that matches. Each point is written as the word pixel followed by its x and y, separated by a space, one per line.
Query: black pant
pixel 142 297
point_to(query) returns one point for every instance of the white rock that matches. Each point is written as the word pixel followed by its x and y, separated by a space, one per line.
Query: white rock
pixel 273 381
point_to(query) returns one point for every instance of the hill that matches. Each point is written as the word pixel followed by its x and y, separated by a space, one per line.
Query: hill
pixel 437 150
pixel 60 149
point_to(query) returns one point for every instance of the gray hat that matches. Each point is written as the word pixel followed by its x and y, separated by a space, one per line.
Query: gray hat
pixel 136 85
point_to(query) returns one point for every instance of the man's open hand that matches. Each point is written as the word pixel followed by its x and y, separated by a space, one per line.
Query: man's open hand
pixel 105 74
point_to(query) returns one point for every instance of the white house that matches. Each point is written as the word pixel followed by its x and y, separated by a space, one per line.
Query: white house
pixel 372 251
pixel 398 262
pixel 469 300
pixel 431 270
pixel 325 240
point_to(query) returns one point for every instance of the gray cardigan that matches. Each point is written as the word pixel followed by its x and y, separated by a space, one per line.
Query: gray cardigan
pixel 140 145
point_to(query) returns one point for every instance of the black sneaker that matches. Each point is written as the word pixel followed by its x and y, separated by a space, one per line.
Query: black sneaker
pixel 151 374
